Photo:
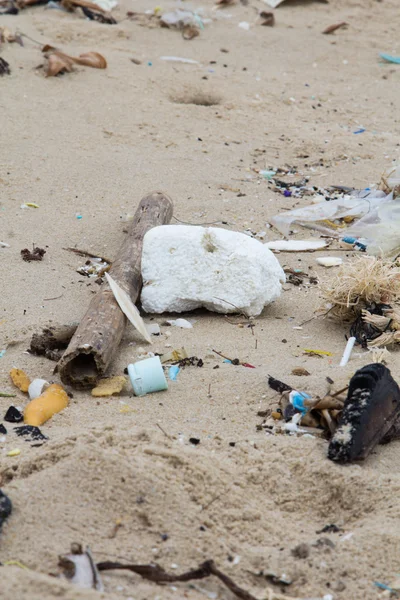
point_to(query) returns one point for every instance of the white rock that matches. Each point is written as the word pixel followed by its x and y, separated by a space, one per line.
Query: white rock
pixel 185 268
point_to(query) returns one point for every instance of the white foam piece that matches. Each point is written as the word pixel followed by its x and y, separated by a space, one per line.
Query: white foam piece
pixel 185 268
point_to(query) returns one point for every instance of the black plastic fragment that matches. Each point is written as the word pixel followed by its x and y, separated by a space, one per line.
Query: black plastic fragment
pixel 3 430
pixel 32 432
pixel 278 386
pixel 5 507
pixel 371 408
pixel 13 415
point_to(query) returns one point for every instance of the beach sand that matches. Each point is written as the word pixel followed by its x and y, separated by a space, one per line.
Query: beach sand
pixel 91 143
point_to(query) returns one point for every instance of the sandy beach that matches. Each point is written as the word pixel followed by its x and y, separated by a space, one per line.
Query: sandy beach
pixel 85 147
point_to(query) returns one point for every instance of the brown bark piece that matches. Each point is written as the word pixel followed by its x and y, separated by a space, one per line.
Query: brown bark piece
pixel 93 346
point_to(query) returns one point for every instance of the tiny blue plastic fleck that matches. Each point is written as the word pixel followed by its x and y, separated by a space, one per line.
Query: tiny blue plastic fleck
pixel 267 174
pixel 349 240
pixel 297 401
pixel 383 586
pixel 2 353
pixel 287 193
pixel 149 64
pixel 361 130
pixel 79 216
pixel 228 361
pixel 389 58
pixel 173 372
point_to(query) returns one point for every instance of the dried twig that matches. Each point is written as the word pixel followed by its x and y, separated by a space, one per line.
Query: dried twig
pixel 157 574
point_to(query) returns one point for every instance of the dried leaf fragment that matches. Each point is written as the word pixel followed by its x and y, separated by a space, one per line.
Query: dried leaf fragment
pixel 91 59
pixel 334 27
pixel 300 372
pixel 109 386
pixel 36 254
pixel 59 62
pixel 20 379
pixel 4 67
pixel 268 18
pixel 189 32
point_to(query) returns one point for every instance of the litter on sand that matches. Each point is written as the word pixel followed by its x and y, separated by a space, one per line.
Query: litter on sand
pixel 296 245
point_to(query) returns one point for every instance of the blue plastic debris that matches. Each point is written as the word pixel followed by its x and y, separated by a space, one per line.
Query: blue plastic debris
pixel 361 130
pixel 297 401
pixel 2 353
pixel 267 174
pixel 389 58
pixel 287 193
pixel 173 372
pixel 383 586
pixel 351 240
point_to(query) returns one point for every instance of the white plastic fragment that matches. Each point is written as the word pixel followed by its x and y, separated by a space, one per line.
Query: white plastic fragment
pixel 128 308
pixel 153 328
pixel 185 268
pixel 358 204
pixel 347 351
pixel 187 61
pixel 179 18
pixel 181 323
pixel 36 387
pixel 296 245
pixel 4 245
pixel 329 261
pixel 244 25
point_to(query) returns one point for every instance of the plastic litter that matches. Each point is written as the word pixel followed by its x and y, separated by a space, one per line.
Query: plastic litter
pixel 41 409
pixel 356 205
pixel 329 261
pixel 174 355
pixel 128 308
pixel 179 59
pixel 36 387
pixel 378 230
pixel 389 58
pixel 297 400
pixel 173 372
pixel 392 177
pixel 244 25
pixel 147 376
pixel 182 323
pixel 179 19
pixel 153 328
pixel 14 452
pixel 109 386
pixel 188 267
pixel 347 351
pixel 295 245
pixel 5 507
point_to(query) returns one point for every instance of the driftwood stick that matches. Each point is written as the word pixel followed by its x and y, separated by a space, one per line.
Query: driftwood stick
pixel 97 338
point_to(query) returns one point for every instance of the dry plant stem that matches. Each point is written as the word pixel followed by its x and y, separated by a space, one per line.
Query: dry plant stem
pixel 88 254
pixel 158 575
pixel 97 338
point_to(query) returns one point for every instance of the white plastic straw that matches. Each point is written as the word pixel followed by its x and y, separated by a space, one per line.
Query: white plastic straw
pixel 347 351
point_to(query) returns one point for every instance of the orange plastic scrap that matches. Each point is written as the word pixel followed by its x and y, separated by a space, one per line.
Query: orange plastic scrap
pixel 20 379
pixel 40 410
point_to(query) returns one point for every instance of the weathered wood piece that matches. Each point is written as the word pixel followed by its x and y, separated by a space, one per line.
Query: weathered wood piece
pixel 97 338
